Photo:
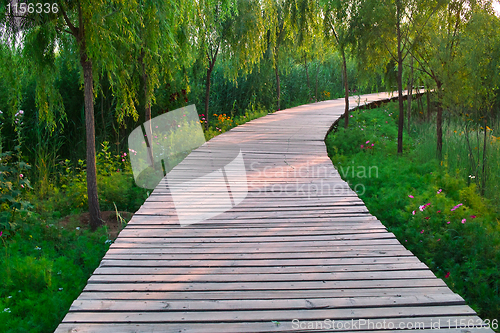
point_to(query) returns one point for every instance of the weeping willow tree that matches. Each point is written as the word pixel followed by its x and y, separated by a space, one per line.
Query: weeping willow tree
pixel 98 34
pixel 232 30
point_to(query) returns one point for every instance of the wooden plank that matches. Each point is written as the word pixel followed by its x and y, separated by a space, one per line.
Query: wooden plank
pixel 168 316
pixel 261 270
pixel 195 262
pixel 429 324
pixel 283 304
pixel 264 255
pixel 263 286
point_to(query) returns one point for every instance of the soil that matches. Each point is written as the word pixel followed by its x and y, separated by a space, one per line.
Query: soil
pixel 111 221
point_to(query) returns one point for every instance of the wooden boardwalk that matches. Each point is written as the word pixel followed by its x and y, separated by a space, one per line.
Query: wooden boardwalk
pixel 299 253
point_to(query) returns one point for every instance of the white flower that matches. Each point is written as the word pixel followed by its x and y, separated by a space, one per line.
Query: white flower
pixel 60 289
pixel 6 310
pixel 77 228
pixel 38 248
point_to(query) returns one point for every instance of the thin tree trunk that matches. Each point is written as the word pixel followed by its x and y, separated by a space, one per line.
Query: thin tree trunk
pixel 428 95
pixel 278 85
pixel 307 77
pixel 147 111
pixel 207 95
pixel 439 122
pixel 211 64
pixel 400 80
pixel 93 200
pixel 346 89
pixel 316 88
pixel 483 175
pixel 102 115
pixel 410 93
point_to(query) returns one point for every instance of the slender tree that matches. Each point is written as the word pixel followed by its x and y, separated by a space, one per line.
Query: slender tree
pixel 337 16
pixel 389 30
pixel 278 37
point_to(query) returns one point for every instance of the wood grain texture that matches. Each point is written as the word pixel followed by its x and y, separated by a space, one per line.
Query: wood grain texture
pixel 299 253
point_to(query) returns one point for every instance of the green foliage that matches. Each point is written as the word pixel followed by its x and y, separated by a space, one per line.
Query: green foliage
pixel 431 210
pixel 44 268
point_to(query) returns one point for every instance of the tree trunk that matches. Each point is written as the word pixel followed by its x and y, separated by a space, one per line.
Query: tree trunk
pixel 428 95
pixel 211 64
pixel 439 122
pixel 102 115
pixel 346 89
pixel 147 111
pixel 278 88
pixel 307 77
pixel 207 95
pixel 410 93
pixel 93 200
pixel 316 88
pixel 483 175
pixel 400 80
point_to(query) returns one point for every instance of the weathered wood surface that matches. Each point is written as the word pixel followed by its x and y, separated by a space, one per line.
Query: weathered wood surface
pixel 301 249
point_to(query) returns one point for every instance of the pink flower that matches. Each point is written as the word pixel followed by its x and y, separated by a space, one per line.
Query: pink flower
pixel 413 212
pixel 439 191
pixel 367 141
pixel 124 154
pixel 427 217
pixel 439 239
pixel 123 160
pixel 473 216
pixel 410 196
pixel 361 146
pixel 21 176
pixel 460 204
pixel 447 275
pixel 373 144
pixel 448 222
pixel 1 233
pixel 463 220
pixel 422 231
pixel 439 211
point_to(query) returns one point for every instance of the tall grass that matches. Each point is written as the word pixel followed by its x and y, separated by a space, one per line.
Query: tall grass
pixel 463 153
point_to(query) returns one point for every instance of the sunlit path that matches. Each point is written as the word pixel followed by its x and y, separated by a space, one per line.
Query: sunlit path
pixel 300 252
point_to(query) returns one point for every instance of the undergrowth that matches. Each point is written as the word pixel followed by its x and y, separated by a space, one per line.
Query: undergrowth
pixel 433 209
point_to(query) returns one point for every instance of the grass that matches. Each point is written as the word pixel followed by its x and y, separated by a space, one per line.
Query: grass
pixel 433 208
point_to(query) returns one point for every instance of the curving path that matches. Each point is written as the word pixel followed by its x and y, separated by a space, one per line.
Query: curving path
pixel 299 253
